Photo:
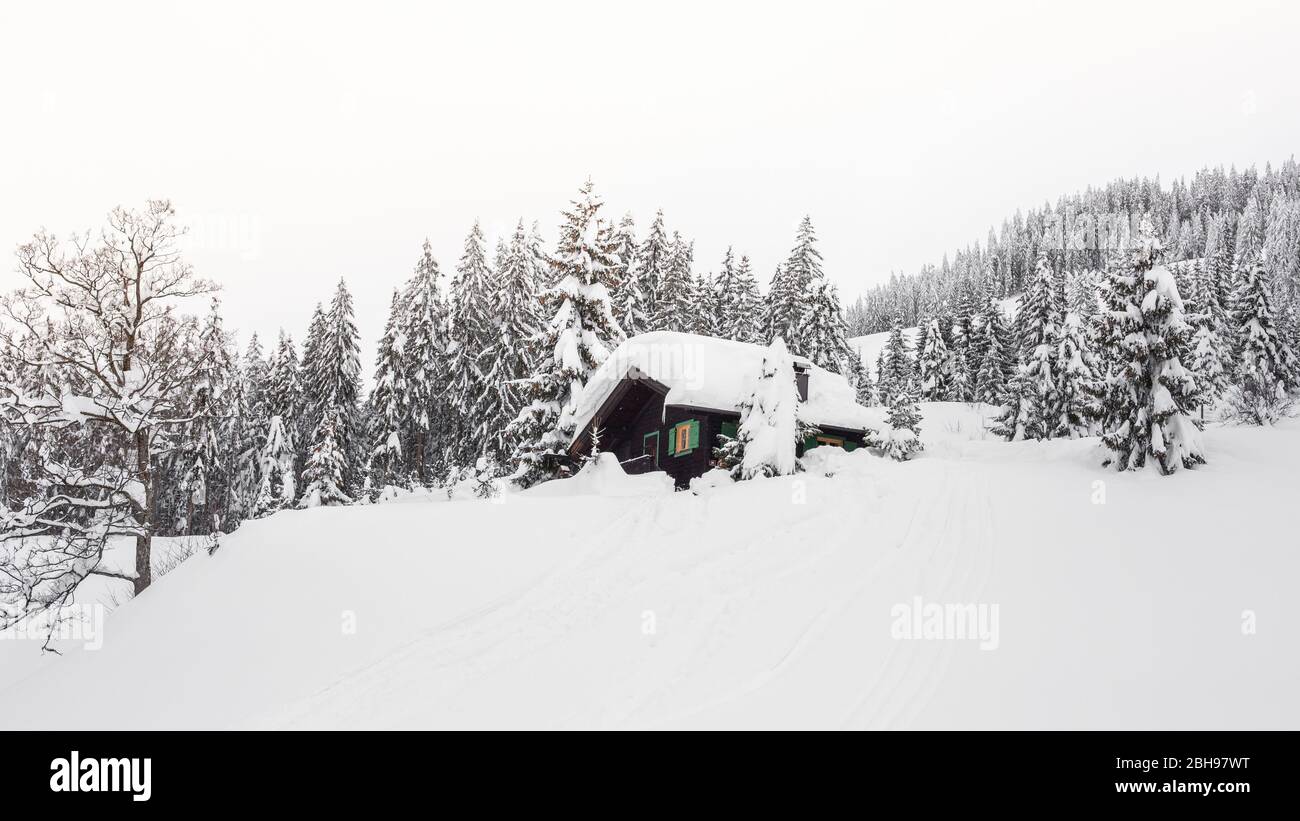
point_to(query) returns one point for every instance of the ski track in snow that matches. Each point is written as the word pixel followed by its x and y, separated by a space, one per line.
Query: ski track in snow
pixel 954 566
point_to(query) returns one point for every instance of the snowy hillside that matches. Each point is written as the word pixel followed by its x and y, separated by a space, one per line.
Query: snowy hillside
pixel 870 346
pixel 607 601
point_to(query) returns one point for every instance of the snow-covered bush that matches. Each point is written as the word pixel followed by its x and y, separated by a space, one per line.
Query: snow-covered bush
pixel 1246 405
pixel 482 481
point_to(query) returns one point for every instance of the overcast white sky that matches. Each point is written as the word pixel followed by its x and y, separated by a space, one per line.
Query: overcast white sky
pixel 304 142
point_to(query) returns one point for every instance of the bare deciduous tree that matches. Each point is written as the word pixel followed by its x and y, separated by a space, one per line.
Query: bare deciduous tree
pixel 98 364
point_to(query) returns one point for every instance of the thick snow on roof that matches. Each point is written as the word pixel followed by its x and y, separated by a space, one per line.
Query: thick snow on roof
pixel 718 374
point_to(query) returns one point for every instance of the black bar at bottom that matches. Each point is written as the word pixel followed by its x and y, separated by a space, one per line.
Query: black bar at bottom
pixel 230 770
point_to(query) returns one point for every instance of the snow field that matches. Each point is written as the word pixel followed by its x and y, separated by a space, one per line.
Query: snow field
pixel 605 601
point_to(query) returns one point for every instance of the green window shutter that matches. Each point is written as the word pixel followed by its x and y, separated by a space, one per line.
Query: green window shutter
pixel 810 442
pixel 850 445
pixel 730 429
pixel 692 428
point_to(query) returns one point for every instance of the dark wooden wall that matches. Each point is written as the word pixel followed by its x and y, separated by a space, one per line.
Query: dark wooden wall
pixel 686 466
pixel 641 411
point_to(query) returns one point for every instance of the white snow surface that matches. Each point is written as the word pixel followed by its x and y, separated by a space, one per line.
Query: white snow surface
pixel 604 476
pixel 719 374
pixel 756 604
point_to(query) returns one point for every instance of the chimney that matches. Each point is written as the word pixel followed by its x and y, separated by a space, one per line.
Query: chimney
pixel 801 381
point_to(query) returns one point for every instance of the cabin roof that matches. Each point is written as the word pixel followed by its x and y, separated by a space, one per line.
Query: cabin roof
pixel 713 374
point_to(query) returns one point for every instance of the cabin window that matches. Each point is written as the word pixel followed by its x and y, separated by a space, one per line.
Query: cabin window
pixel 650 447
pixel 685 437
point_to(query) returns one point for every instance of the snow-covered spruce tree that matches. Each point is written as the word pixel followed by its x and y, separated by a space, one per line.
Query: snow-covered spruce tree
pixel 859 378
pixel 823 332
pixel 1266 367
pixel 101 371
pixel 727 292
pixel 903 440
pixel 578 338
pixel 1076 371
pixel 1038 322
pixel 326 475
pixel 770 430
pixel 998 359
pixel 239 442
pixel 255 371
pixel 933 363
pixel 1210 357
pixel 676 306
pixel 729 454
pixel 777 305
pixel 899 369
pixel 1081 295
pixel 1020 402
pixel 277 488
pixel 308 372
pixel 741 309
pixel 1282 256
pixel 389 403
pixel 543 264
pixel 964 319
pixel 962 386
pixel 284 391
pixel 245 429
pixel 652 262
pixel 199 475
pixel 1282 244
pixel 1252 227
pixel 705 306
pixel 631 305
pixel 1216 266
pixel 336 380
pixel 472 331
pixel 788 296
pixel 506 362
pixel 881 385
pixel 424 361
pixel 1288 326
pixel 1148 395
pixel 975 339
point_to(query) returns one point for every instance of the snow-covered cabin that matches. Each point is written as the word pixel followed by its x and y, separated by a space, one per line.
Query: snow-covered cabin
pixel 661 399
